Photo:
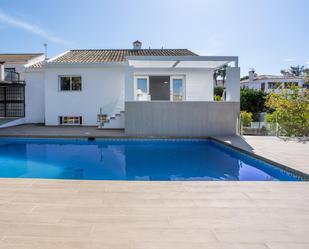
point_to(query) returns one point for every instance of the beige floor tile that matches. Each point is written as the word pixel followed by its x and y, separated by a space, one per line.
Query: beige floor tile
pixel 153 234
pixel 29 242
pixel 274 245
pixel 44 230
pixel 124 221
pixel 261 236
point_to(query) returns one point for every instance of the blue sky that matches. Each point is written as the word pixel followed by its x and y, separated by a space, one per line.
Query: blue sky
pixel 267 35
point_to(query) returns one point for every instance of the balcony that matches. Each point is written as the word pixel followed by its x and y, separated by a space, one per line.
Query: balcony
pixel 12 77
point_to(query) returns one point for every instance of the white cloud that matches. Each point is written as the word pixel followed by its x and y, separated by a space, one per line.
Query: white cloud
pixel 31 28
pixel 307 62
pixel 289 60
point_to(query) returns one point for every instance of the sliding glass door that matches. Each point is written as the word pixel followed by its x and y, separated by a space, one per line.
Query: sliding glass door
pixel 142 88
pixel 177 88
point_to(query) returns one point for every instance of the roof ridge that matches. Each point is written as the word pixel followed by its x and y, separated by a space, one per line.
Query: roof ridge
pixel 125 49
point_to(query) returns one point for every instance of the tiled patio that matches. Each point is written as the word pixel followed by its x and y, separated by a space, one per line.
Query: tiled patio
pixel 100 214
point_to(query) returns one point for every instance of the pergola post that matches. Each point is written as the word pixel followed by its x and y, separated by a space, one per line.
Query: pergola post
pixel 232 84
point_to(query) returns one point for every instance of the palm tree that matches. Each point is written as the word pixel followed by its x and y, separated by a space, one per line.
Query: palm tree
pixel 220 72
pixel 293 71
pixel 297 70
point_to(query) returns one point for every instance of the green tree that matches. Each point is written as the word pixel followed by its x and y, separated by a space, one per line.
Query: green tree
pixel 252 100
pixel 291 110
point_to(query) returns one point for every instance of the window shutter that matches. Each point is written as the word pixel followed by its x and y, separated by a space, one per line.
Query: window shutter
pixel 60 119
pixel 80 120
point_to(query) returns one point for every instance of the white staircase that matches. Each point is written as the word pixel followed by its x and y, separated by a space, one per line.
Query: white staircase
pixel 114 122
pixel 116 119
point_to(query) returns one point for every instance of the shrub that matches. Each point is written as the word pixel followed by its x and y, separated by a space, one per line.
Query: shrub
pixel 246 118
pixel 252 100
pixel 217 98
pixel 218 90
pixel 291 106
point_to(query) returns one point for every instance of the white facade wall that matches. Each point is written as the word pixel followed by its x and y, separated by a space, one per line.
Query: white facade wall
pixel 102 86
pixel 198 82
pixel 35 97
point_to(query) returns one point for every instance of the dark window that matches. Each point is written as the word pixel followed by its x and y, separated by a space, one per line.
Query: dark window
pixel 290 84
pixel 274 85
pixel 65 83
pixel 10 69
pixel 70 83
pixel 70 120
pixel 76 84
pixel 263 87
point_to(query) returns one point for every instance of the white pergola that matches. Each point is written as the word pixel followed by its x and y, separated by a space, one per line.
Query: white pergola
pixel 201 62
pixel 207 62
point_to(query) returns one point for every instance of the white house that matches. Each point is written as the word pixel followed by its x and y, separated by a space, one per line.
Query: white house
pixel 145 91
pixel 267 83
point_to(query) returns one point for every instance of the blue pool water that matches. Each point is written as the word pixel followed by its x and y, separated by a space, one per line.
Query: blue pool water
pixel 132 160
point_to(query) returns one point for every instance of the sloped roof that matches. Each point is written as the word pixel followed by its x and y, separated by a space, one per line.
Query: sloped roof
pixel 36 65
pixel 24 57
pixel 115 55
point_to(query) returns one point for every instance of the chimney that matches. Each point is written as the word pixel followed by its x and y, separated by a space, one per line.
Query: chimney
pixel 137 45
pixel 2 76
pixel 251 75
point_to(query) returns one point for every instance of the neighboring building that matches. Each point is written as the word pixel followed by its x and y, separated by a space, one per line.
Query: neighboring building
pixel 267 83
pixel 145 91
pixel 12 83
pixel 14 64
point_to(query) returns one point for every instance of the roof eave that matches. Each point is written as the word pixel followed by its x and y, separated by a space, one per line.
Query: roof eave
pixel 82 64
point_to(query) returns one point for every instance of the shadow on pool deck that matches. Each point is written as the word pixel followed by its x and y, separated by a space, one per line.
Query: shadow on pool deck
pixel 31 130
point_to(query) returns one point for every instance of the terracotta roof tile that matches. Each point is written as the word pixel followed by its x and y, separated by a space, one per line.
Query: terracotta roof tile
pixel 115 55
pixel 36 65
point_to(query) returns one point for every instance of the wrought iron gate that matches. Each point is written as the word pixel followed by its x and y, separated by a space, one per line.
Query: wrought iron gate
pixel 12 100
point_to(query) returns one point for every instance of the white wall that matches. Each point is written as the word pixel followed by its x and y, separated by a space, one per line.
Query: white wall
pixel 198 82
pixel 102 86
pixel 34 97
pixel 233 84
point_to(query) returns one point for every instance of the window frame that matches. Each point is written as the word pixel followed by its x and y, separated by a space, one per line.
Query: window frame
pixel 70 76
pixel 136 78
pixel 178 77
pixel 61 120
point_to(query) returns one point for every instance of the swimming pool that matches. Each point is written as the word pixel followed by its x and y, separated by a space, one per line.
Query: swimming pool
pixel 132 159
